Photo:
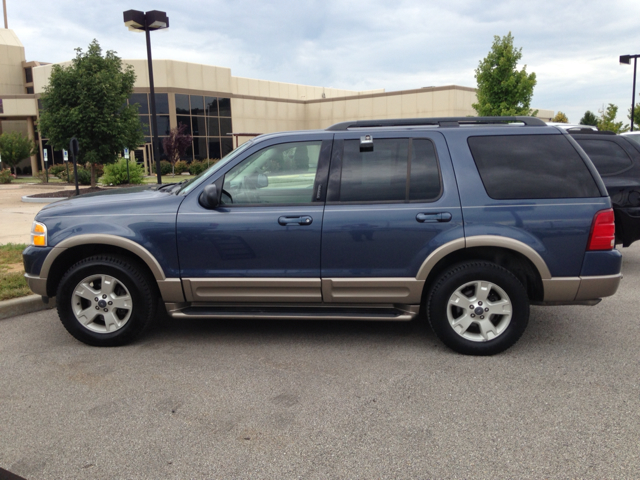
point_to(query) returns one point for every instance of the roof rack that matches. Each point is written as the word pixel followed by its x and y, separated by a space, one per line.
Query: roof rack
pixel 589 131
pixel 439 121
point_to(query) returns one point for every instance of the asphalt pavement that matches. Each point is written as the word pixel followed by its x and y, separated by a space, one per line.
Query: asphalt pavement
pixel 315 400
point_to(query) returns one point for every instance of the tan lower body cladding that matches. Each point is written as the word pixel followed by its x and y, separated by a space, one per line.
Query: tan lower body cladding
pixel 304 290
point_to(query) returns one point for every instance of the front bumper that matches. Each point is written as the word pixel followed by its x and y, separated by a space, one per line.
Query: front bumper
pixel 33 258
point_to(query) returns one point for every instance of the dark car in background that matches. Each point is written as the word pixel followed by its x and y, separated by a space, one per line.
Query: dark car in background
pixel 617 158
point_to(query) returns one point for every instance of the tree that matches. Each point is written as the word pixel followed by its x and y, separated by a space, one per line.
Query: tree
pixel 560 118
pixel 88 100
pixel 607 120
pixel 502 89
pixel 176 144
pixel 636 116
pixel 589 118
pixel 14 147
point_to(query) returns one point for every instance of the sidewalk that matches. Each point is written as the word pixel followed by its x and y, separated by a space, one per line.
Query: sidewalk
pixel 16 216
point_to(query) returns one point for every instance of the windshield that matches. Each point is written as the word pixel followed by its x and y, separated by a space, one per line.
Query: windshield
pixel 198 179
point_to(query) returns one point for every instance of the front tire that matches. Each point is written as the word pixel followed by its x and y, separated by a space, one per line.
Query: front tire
pixel 106 300
pixel 478 308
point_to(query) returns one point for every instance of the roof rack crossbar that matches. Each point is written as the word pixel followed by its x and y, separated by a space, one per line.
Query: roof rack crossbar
pixel 437 121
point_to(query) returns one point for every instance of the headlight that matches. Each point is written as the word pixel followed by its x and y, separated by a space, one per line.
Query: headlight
pixel 39 234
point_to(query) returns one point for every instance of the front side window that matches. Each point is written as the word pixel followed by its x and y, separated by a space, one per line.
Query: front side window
pixel 279 174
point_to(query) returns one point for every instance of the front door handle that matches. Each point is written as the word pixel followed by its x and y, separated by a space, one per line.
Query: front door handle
pixel 433 217
pixel 301 220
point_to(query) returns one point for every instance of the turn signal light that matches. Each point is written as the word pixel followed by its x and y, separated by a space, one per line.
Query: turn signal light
pixel 39 234
pixel 603 231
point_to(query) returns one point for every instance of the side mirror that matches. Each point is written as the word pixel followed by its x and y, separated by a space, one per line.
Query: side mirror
pixel 209 197
pixel 256 180
pixel 263 180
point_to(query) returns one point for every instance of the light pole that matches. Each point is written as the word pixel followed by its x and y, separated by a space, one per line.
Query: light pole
pixel 147 21
pixel 626 59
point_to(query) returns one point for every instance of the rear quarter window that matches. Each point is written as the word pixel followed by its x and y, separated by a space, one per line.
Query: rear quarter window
pixel 607 156
pixel 531 166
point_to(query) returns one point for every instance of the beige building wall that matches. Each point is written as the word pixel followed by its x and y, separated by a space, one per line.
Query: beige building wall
pixel 11 58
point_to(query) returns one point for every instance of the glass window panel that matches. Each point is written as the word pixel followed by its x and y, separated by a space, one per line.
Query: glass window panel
pixel 213 127
pixel 29 89
pixel 197 105
pixel 607 156
pixel 163 124
pixel 425 175
pixel 214 148
pixel 188 154
pixel 182 104
pixel 225 107
pixel 141 99
pixel 185 121
pixel 200 148
pixel 279 174
pixel 198 127
pixel 227 146
pixel 147 139
pixel 162 103
pixel 28 74
pixel 531 166
pixel 144 125
pixel 211 104
pixel 380 175
pixel 225 126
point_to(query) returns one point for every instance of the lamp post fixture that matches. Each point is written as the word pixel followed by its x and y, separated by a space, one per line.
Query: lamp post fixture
pixel 147 21
pixel 626 59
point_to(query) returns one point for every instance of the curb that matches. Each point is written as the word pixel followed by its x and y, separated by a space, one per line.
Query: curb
pixel 24 305
pixel 28 199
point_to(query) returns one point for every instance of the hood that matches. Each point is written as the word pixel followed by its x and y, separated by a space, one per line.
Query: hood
pixel 121 201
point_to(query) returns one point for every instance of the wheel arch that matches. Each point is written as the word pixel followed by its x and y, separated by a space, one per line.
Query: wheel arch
pixel 517 257
pixel 71 250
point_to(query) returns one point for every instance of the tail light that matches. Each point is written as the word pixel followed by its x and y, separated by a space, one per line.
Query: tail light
pixel 603 231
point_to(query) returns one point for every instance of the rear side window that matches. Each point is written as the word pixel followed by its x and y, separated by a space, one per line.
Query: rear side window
pixel 531 166
pixel 397 170
pixel 607 156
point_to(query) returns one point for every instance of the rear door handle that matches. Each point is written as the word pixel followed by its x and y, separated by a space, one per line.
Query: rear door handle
pixel 433 217
pixel 301 220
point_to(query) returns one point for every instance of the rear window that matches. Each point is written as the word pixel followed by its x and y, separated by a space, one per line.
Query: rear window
pixel 381 175
pixel 607 156
pixel 531 166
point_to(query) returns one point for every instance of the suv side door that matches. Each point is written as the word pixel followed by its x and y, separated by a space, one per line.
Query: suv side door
pixel 262 243
pixel 386 211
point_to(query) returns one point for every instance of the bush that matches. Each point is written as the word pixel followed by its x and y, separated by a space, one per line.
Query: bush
pixel 84 176
pixel 180 167
pixel 98 167
pixel 116 173
pixel 56 170
pixel 165 167
pixel 197 167
pixel 5 176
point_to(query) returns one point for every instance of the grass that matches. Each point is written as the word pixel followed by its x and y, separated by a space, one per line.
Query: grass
pixel 147 180
pixel 12 284
pixel 167 178
pixel 52 179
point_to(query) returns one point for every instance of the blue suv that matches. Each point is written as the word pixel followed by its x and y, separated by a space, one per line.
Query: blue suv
pixel 466 221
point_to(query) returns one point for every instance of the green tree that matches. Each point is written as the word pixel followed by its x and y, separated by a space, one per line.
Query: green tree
pixel 589 118
pixel 15 147
pixel 502 89
pixel 560 118
pixel 88 100
pixel 607 120
pixel 636 116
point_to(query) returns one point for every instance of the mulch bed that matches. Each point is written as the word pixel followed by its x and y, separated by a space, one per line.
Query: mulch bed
pixel 72 193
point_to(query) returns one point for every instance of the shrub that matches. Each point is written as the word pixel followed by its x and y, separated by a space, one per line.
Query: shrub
pixel 84 176
pixel 165 167
pixel 56 170
pixel 180 167
pixel 116 173
pixel 5 176
pixel 197 167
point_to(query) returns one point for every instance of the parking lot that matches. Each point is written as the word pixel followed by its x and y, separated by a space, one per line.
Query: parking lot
pixel 223 399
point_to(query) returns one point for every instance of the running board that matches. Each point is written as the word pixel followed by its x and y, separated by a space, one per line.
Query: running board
pixel 389 313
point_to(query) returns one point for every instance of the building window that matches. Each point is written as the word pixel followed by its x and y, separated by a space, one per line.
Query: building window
pixel 208 120
pixel 30 90
pixel 28 75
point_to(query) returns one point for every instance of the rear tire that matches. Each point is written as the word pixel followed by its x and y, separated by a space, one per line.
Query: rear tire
pixel 106 300
pixel 478 308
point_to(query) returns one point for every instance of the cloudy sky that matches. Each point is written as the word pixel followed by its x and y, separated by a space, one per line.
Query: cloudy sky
pixel 572 46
